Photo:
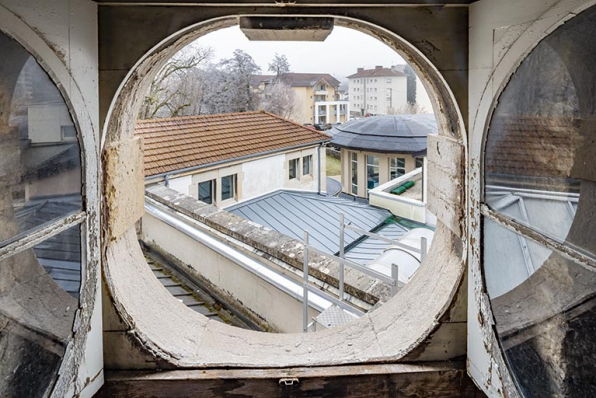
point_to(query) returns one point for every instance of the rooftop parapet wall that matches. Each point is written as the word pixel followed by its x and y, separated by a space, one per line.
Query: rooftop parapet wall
pixel 272 243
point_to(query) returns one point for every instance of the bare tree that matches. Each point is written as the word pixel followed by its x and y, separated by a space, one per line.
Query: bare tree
pixel 279 98
pixel 279 65
pixel 233 82
pixel 170 93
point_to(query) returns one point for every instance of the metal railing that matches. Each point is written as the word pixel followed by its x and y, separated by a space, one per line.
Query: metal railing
pixel 343 262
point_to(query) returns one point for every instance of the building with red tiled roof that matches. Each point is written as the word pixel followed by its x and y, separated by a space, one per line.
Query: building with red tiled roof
pixel 226 158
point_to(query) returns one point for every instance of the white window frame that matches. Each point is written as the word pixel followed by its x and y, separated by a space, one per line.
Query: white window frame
pixel 307 160
pixel 353 163
pixel 233 188
pixel 394 167
pixel 296 169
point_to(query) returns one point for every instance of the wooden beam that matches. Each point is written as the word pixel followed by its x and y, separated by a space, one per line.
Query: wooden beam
pixel 382 380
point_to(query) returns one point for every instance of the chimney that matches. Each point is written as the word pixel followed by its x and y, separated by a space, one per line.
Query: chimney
pixel 378 67
pixel 360 70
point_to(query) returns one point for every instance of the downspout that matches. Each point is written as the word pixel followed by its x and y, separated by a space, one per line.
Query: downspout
pixel 319 167
pixel 167 180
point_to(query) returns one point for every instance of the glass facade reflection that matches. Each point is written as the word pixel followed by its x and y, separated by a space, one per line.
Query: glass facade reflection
pixel 540 172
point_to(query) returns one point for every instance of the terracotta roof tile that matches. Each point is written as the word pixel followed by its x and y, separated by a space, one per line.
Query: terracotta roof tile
pixel 190 141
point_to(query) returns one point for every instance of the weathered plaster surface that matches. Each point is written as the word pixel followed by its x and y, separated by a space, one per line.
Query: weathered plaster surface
pixel 446 193
pixel 124 185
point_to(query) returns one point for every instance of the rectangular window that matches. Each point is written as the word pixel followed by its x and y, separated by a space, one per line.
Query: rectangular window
pixel 388 81
pixel 228 187
pixel 294 166
pixel 419 162
pixel 354 168
pixel 307 165
pixel 372 171
pixel 68 133
pixel 206 191
pixel 397 167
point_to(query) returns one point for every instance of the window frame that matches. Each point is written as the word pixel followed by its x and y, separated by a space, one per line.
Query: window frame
pixel 372 165
pixel 354 173
pixel 394 167
pixel 86 219
pixel 233 188
pixel 212 187
pixel 307 161
pixel 295 169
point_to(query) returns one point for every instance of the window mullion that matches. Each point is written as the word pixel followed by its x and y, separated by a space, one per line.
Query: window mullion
pixel 540 238
pixel 31 238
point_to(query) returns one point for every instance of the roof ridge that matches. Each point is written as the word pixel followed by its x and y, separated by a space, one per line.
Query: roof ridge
pixel 159 119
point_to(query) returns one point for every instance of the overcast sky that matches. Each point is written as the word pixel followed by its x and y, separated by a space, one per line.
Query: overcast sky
pixel 340 54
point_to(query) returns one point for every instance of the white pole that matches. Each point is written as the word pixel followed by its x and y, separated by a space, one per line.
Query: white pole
pixel 395 277
pixel 341 255
pixel 305 284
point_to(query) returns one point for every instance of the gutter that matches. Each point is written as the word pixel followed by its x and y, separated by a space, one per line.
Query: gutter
pixel 181 171
pixel 319 167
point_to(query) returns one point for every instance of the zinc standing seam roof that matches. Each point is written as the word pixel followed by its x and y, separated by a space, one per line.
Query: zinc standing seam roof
pixel 291 213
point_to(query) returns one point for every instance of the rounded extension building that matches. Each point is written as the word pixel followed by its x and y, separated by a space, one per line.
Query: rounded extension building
pixel 378 149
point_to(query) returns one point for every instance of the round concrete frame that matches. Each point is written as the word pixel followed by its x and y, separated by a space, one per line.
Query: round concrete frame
pixel 172 332
pixel 14 27
pixel 496 84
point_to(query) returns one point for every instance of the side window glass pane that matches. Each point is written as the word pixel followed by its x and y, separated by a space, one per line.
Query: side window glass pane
pixel 372 171
pixel 540 172
pixel 206 192
pixel 40 159
pixel 306 165
pixel 40 183
pixel 228 187
pixel 354 169
pixel 293 172
pixel 39 293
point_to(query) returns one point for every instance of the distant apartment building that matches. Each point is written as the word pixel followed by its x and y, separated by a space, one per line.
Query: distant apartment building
pixel 225 159
pixel 318 95
pixel 377 91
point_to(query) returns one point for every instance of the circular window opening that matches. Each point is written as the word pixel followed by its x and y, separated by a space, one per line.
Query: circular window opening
pixel 201 342
pixel 262 137
pixel 40 236
pixel 539 247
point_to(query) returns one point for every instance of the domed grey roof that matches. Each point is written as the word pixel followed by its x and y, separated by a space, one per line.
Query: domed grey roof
pixel 386 134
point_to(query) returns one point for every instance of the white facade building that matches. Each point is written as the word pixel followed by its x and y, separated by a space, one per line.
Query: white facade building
pixel 377 91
